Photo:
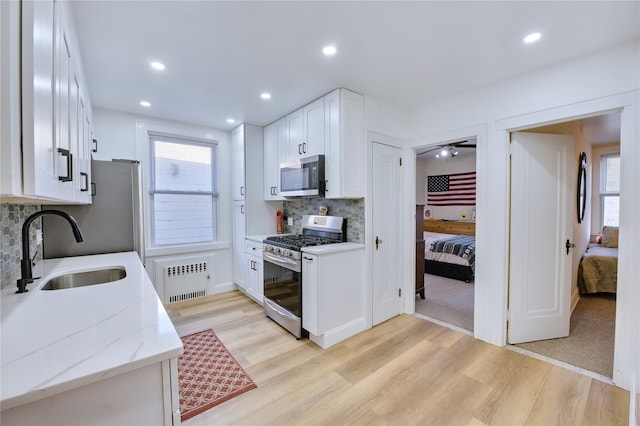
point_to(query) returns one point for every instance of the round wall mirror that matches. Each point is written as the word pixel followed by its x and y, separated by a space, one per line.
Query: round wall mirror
pixel 582 186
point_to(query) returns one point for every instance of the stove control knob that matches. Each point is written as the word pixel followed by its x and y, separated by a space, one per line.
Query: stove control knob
pixel 278 251
pixel 287 253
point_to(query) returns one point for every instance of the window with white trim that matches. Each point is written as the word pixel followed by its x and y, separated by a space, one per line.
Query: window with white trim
pixel 609 190
pixel 183 190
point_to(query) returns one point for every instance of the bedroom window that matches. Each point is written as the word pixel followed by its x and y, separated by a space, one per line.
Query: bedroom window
pixel 609 190
pixel 183 191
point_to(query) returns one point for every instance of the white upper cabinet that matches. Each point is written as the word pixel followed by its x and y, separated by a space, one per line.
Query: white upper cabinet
pixel 344 144
pixel 294 130
pixel 275 152
pixel 305 131
pixel 332 126
pixel 237 162
pixel 313 136
pixel 50 155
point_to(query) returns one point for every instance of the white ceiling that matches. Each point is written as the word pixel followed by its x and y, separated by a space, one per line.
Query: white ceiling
pixel 221 55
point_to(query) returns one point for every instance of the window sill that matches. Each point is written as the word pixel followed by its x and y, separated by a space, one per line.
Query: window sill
pixel 187 248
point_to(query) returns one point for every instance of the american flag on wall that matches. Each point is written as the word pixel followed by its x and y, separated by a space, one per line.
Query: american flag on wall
pixel 458 189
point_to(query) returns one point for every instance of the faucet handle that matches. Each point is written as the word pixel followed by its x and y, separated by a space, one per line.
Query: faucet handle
pixel 22 285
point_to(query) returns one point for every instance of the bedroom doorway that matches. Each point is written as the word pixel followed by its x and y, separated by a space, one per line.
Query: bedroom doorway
pixel 445 185
pixel 591 341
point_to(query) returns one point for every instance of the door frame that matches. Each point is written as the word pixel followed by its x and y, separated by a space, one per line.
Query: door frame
pixel 627 340
pixel 481 296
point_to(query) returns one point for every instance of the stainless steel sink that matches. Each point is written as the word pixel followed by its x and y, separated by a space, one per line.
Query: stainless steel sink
pixel 81 279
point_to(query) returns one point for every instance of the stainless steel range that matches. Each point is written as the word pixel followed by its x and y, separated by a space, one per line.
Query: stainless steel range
pixel 283 268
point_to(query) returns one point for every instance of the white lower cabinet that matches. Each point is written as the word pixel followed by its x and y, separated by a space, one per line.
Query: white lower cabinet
pixel 254 274
pixel 145 396
pixel 333 293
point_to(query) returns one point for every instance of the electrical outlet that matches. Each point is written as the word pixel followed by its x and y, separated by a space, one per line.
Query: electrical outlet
pixel 290 221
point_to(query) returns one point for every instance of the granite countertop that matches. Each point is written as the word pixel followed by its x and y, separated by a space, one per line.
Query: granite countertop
pixel 57 340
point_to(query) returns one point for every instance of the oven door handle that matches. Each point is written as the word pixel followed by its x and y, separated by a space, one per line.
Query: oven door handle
pixel 273 305
pixel 285 262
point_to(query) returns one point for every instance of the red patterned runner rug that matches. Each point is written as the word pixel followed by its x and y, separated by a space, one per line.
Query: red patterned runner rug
pixel 208 374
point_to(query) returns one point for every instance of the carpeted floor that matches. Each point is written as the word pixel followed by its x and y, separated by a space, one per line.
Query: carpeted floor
pixel 591 337
pixel 447 300
pixel 592 333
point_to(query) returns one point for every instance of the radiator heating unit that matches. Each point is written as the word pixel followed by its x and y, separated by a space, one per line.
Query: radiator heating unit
pixel 186 281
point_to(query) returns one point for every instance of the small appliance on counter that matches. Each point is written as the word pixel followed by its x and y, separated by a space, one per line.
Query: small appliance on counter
pixel 279 222
pixel 282 263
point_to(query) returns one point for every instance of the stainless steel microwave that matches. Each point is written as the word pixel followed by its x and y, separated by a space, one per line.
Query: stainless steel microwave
pixel 303 178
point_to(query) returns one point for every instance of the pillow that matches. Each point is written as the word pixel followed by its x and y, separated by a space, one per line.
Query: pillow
pixel 610 236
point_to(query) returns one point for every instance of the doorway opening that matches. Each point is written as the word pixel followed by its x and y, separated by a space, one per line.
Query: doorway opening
pixel 446 199
pixel 591 341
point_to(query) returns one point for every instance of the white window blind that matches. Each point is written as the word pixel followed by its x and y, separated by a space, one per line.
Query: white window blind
pixel 183 190
pixel 610 190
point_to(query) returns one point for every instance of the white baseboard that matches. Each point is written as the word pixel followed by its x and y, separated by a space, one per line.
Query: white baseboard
pixel 339 334
pixel 575 298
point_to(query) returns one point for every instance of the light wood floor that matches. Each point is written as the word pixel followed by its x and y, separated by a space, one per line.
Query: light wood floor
pixel 405 371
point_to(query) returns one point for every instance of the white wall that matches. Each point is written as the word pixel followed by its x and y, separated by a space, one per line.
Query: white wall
pixel 122 135
pixel 115 133
pixel 588 77
pixel 605 81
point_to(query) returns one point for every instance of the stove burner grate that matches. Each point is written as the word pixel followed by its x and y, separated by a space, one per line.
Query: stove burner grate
pixel 299 241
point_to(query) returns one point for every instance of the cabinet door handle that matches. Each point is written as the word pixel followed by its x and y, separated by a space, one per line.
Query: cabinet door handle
pixel 69 175
pixel 86 182
pixel 242 190
pixel 93 189
pixel 300 149
pixel 304 147
pixel 310 259
pixel 95 145
pixel 242 209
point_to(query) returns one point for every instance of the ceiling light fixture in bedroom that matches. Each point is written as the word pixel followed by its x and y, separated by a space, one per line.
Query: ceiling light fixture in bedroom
pixel 447 151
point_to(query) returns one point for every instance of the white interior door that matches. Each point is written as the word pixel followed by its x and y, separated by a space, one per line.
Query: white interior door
pixel 387 300
pixel 542 199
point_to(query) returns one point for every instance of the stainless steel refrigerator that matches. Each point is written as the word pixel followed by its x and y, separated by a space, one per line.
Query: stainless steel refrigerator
pixel 112 223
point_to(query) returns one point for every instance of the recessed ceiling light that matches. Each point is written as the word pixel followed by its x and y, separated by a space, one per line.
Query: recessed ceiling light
pixel 157 66
pixel 531 38
pixel 329 50
pixel 265 95
pixel 230 120
pixel 145 104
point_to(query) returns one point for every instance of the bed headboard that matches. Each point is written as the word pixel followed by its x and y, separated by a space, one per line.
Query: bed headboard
pixel 450 227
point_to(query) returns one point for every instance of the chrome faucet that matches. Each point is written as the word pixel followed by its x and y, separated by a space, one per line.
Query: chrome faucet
pixel 25 263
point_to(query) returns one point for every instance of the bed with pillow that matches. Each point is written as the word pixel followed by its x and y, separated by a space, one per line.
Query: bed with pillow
pixel 451 256
pixel 598 270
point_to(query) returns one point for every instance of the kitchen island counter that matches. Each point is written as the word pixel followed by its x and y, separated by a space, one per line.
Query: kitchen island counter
pixel 54 341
